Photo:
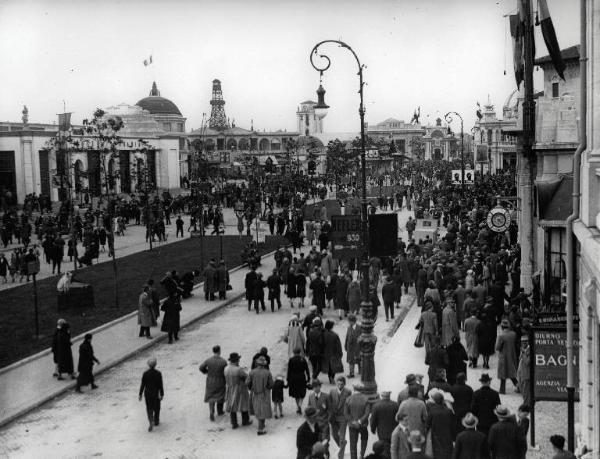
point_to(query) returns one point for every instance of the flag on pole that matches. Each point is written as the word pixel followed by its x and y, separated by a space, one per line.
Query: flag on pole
pixel 478 112
pixel 64 121
pixel 148 61
pixel 516 32
pixel 549 35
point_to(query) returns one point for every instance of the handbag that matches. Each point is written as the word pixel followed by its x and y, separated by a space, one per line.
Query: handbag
pixel 419 338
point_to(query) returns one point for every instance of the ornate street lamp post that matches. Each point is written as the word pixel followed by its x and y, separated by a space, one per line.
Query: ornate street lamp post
pixel 367 339
pixel 449 119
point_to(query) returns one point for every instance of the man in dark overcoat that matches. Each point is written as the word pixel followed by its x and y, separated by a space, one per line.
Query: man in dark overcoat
pixel 214 394
pixel 307 434
pixel 485 401
pixel 86 363
pixel 61 348
pixel 153 391
pixel 470 443
pixel 318 288
pixel 383 419
pixel 209 275
pixel 505 438
pixel 251 277
pixel 440 421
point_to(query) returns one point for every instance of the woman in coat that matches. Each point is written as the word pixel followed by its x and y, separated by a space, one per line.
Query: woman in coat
pixel 506 345
pixel 260 382
pixel 354 297
pixel 145 313
pixel 340 299
pixel 284 272
pixel 61 347
pixel 298 377
pixel 331 360
pixel 291 286
pixel 237 397
pixel 486 337
pixel 222 279
pixel 86 363
pixel 170 324
pixel 397 280
pixel 457 356
pixel 294 336
pixel 300 288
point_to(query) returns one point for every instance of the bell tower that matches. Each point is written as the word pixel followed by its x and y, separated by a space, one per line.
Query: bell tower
pixel 217 120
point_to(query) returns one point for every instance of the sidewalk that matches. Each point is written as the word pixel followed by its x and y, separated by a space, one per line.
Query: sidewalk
pixel 28 383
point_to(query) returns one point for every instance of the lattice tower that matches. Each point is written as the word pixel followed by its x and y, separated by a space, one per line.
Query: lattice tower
pixel 217 120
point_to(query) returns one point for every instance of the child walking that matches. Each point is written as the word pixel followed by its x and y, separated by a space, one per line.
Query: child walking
pixel 277 395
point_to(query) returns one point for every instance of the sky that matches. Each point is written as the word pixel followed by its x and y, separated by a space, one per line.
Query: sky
pixel 441 55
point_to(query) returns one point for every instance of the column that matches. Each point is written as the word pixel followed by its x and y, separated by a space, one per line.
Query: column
pixel 525 192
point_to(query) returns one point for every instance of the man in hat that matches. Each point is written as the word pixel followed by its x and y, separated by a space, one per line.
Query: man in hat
pixel 441 424
pixel 470 443
pixel 383 419
pixel 352 346
pixel 379 451
pixel 308 319
pixel 558 446
pixel 357 417
pixel 249 281
pixel 504 438
pixel 209 275
pixel 260 383
pixel 213 368
pixel 411 380
pixel 237 397
pixel 417 444
pixel 318 288
pixel 460 295
pixel 485 400
pixel 506 346
pixel 321 402
pixel 337 420
pixel 307 434
pixel 415 408
pixel 152 389
pixel 314 346
pixel 399 447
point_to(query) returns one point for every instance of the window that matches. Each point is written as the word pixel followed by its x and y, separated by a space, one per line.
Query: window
pixel 555 269
pixel 180 127
pixel 555 90
pixel 167 127
pixel 401 145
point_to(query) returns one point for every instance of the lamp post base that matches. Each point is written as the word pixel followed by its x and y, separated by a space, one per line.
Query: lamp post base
pixel 367 342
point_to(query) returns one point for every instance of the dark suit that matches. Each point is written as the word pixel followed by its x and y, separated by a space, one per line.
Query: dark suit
pixel 305 439
pixel 471 444
pixel 506 441
pixel 485 400
pixel 463 399
pixel 152 388
pixel 249 286
pixel 383 421
pixel 441 424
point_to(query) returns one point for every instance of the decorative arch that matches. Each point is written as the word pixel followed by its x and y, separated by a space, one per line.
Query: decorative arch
pixel 263 145
pixel 276 144
pixel 244 144
pixel 437 134
pixel 231 144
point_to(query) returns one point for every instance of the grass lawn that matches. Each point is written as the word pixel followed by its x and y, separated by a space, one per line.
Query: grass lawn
pixel 17 328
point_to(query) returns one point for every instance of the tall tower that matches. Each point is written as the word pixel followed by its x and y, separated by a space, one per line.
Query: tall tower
pixel 217 120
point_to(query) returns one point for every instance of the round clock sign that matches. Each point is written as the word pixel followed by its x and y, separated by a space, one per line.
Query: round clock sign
pixel 498 219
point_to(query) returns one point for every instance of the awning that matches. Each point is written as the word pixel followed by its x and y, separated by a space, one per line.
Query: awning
pixel 555 198
pixel 263 159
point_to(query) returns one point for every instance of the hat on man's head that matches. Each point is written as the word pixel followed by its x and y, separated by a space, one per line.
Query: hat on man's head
pixel 502 412
pixel 410 379
pixel 385 394
pixel 485 378
pixel 310 412
pixel 470 421
pixel 416 438
pixel 378 447
pixel 234 357
pixel 558 441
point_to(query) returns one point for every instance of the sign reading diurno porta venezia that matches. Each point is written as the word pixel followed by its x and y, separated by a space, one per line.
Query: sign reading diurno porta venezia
pixel 550 361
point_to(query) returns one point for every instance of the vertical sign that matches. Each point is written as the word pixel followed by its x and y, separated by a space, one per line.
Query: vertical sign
pixel 346 237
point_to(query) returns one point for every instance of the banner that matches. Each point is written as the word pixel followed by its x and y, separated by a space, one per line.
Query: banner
pixel 482 154
pixel 469 177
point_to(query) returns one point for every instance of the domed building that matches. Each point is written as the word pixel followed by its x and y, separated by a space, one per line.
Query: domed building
pixel 164 111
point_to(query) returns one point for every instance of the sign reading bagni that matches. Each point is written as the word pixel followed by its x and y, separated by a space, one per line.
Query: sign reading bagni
pixel 550 353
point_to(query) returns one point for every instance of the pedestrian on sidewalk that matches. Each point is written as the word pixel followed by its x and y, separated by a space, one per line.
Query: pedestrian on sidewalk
pixel 320 401
pixel 222 280
pixel 170 323
pixel 237 397
pixel 258 293
pixel 485 401
pixel 504 438
pixel 470 443
pixel 61 348
pixel 145 313
pixel 214 394
pixel 274 286
pixel 337 419
pixel 388 294
pixel 441 423
pixel 277 395
pixel 558 447
pixel 357 417
pixel 251 276
pixel 471 326
pixel 331 363
pixel 308 434
pixel 352 346
pixel 260 383
pixel 314 346
pixel 506 345
pixel 415 408
pixel 155 300
pixel 294 336
pixel 298 377
pixel 209 275
pixel 318 288
pixel 383 420
pixel 86 364
pixel 179 225
pixel 152 389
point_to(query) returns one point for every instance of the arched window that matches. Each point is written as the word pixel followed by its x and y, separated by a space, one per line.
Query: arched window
pixel 231 144
pixel 263 144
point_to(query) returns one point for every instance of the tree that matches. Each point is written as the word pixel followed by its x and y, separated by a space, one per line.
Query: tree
pixel 339 160
pixel 417 147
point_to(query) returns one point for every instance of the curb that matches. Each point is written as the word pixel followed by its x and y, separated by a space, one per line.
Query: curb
pixel 401 316
pixel 109 364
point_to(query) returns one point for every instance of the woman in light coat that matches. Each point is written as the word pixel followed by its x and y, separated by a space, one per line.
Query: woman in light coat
pixel 145 313
pixel 237 397
pixel 260 383
pixel 294 336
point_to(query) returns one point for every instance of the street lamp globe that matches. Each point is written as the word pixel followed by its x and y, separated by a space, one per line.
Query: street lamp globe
pixel 321 107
